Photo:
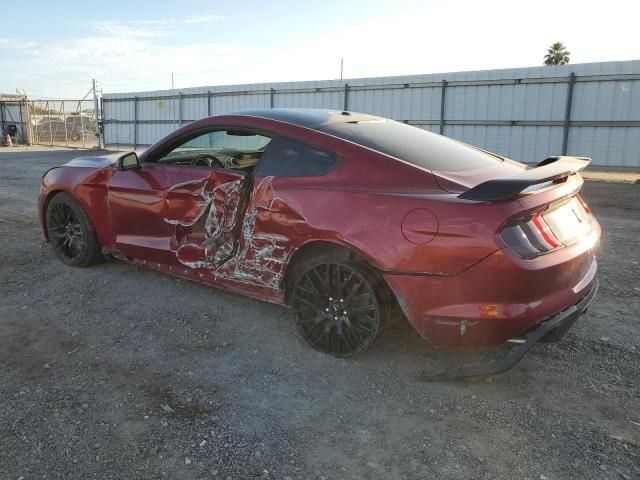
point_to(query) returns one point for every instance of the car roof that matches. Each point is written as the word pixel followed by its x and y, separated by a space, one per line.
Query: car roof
pixel 313 118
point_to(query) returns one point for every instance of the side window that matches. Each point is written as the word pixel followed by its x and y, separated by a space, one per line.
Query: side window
pixel 238 149
pixel 289 158
pixel 226 140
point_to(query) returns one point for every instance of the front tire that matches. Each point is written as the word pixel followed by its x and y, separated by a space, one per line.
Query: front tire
pixel 339 306
pixel 71 232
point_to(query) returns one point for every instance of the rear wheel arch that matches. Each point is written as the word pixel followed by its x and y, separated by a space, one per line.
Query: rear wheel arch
pixel 318 251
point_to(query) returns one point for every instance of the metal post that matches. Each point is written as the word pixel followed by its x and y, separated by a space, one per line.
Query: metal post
pixel 443 92
pixel 272 97
pixel 102 122
pixel 1 121
pixel 135 123
pixel 26 117
pixel 33 123
pixel 95 115
pixel 346 97
pixel 173 104
pixel 567 113
pixel 208 103
pixel 49 118
pixel 22 121
pixel 180 109
pixel 79 115
pixel 63 111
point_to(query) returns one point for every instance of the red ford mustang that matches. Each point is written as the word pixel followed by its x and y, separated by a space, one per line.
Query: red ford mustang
pixel 341 216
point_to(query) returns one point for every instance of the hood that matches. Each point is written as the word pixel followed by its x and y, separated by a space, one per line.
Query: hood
pixel 100 161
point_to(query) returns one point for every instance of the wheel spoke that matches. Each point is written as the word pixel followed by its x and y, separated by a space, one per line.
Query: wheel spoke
pixel 316 281
pixel 65 231
pixel 362 328
pixel 360 300
pixel 346 335
pixel 75 246
pixel 58 215
pixel 327 337
pixel 297 297
pixel 334 284
pixel 316 332
pixel 355 288
pixel 313 319
pixel 362 309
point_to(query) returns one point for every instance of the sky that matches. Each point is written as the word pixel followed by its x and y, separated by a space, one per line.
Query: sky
pixel 58 47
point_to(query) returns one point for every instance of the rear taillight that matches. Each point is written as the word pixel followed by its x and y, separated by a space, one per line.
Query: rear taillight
pixel 543 229
pixel 584 205
pixel 530 236
pixel 554 226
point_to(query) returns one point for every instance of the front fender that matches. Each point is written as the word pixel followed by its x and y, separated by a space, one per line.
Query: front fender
pixel 88 187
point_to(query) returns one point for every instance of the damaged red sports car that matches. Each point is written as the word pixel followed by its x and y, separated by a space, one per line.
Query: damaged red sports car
pixel 341 216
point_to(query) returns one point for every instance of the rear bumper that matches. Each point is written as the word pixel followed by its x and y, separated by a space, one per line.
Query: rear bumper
pixel 499 298
pixel 550 330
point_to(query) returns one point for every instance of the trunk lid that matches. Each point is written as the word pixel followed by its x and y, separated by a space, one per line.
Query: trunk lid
pixel 553 215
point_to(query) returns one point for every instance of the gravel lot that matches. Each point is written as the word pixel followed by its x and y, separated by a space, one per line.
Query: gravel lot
pixel 114 372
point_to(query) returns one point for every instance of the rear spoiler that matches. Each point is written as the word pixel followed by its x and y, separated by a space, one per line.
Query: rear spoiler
pixel 550 169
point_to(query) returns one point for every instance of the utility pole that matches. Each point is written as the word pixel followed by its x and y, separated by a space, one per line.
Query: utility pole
pixel 341 67
pixel 96 111
pixel 173 104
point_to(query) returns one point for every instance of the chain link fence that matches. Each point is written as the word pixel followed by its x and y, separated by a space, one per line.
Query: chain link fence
pixel 51 122
pixel 67 123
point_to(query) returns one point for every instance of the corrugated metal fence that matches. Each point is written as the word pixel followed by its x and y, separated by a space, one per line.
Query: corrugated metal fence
pixel 527 114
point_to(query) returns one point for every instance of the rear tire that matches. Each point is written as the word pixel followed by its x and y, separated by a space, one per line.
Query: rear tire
pixel 71 232
pixel 340 305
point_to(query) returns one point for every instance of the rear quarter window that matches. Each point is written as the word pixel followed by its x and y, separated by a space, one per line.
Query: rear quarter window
pixel 289 158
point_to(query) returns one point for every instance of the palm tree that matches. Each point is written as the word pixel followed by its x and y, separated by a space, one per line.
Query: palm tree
pixel 557 55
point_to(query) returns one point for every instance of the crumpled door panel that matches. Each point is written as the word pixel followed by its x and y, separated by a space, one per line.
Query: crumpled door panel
pixel 270 231
pixel 205 213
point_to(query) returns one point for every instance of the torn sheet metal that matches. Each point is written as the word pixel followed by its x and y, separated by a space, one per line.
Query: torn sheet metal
pixel 206 234
pixel 262 257
pixel 204 230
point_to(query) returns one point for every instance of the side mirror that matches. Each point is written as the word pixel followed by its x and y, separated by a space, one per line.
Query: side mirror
pixel 128 161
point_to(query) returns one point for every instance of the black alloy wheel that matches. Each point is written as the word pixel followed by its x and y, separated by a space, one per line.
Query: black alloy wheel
pixel 337 307
pixel 71 232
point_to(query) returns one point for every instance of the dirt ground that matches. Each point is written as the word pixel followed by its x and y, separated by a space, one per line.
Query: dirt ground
pixel 114 372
